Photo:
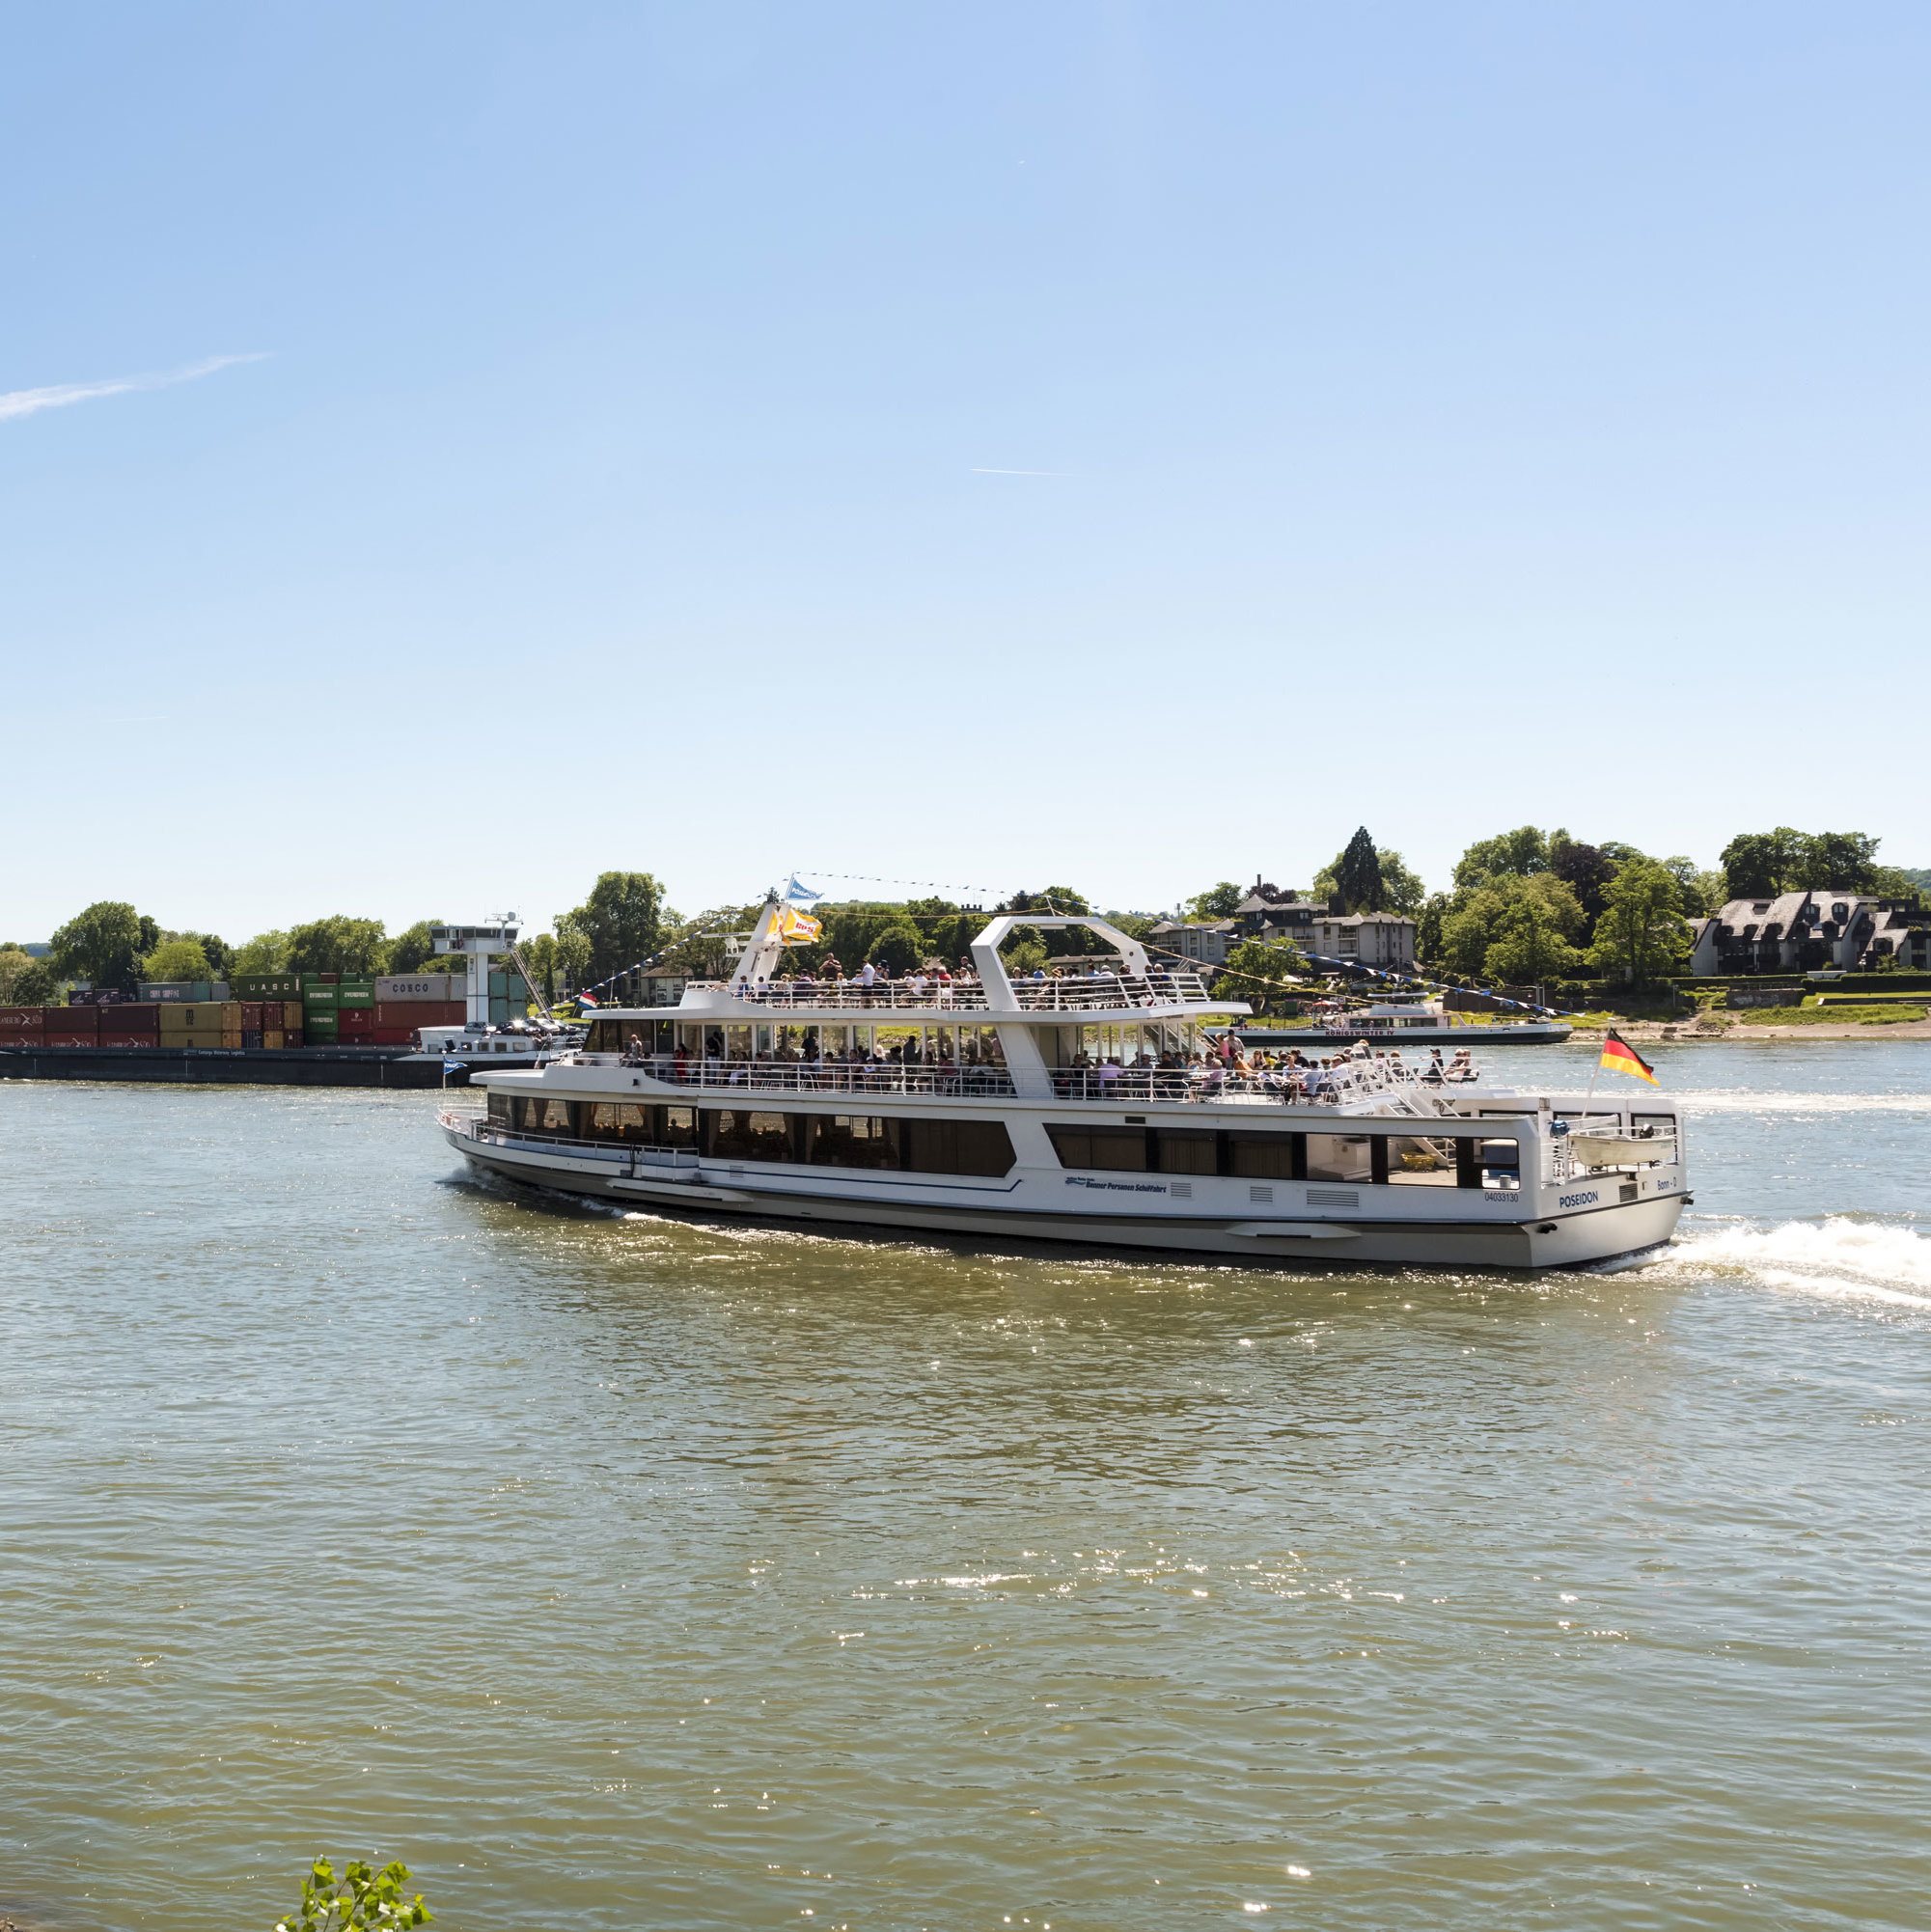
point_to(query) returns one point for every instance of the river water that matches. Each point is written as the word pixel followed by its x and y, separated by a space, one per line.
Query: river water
pixel 617 1572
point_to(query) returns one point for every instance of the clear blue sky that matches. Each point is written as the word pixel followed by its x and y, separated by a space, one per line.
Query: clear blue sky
pixel 1112 444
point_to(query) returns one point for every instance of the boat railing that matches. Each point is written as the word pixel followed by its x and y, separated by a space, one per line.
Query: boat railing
pixel 1349 1083
pixel 630 1154
pixel 1083 993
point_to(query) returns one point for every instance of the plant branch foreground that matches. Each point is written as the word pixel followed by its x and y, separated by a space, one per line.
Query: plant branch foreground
pixel 362 1897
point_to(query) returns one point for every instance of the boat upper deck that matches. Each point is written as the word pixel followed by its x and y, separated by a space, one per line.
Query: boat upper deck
pixel 805 997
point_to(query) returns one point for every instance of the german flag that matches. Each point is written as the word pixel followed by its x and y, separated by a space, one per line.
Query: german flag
pixel 1619 1057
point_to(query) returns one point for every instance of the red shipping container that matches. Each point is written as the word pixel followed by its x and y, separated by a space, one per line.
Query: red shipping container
pixel 354 1024
pixel 144 1019
pixel 250 1016
pixel 74 1020
pixel 22 1019
pixel 392 1037
pixel 67 1037
pixel 131 1039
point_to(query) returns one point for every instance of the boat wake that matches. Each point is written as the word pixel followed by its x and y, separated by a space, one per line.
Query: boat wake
pixel 1837 1256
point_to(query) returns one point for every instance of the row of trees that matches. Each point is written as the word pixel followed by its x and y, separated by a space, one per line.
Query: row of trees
pixel 1531 905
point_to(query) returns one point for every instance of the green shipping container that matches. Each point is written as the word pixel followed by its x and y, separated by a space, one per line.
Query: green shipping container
pixel 319 1026
pixel 318 998
pixel 266 987
pixel 360 995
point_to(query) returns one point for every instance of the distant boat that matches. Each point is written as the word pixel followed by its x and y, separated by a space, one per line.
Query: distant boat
pixel 1427 1023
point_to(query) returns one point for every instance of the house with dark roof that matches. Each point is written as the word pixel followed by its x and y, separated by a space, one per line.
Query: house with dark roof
pixel 1815 930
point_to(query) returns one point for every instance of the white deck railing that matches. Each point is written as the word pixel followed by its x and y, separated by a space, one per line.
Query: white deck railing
pixel 1092 993
pixel 1352 1082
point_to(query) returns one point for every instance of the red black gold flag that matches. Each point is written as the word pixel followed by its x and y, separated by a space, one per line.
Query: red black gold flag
pixel 1619 1057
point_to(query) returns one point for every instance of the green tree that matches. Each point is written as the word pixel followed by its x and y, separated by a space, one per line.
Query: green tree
pixel 1357 876
pixel 1482 918
pixel 1586 869
pixel 219 953
pixel 412 949
pixel 178 959
pixel 623 919
pixel 266 953
pixel 337 944
pixel 573 957
pixel 1839 859
pixel 24 980
pixel 1528 946
pixel 1428 926
pixel 101 944
pixel 1521 852
pixel 1700 893
pixel 1401 889
pixel 1263 976
pixel 1760 865
pixel 1642 933
pixel 362 1898
pixel 1221 902
pixel 539 954
pixel 898 948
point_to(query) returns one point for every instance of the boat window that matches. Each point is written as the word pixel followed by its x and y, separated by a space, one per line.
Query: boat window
pixel 619 1120
pixel 1116 1149
pixel 1180 1152
pixel 1420 1161
pixel 1660 1125
pixel 1501 1163
pixel 676 1126
pixel 739 1135
pixel 500 1106
pixel 539 1114
pixel 851 1141
pixel 1268 1156
pixel 959 1146
pixel 1338 1157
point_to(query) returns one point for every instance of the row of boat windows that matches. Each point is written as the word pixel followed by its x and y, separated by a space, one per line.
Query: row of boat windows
pixel 744 1134
pixel 924 1145
pixel 1409 1159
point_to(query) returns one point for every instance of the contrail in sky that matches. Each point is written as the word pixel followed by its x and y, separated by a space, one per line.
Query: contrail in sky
pixel 31 401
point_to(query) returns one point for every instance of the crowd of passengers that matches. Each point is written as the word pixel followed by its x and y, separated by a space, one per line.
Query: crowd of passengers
pixel 933 983
pixel 1290 1074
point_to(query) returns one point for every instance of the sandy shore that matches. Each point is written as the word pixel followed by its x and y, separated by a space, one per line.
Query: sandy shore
pixel 1637 1031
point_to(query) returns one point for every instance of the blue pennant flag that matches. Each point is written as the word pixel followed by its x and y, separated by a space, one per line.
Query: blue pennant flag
pixel 801 894
pixel 455 1066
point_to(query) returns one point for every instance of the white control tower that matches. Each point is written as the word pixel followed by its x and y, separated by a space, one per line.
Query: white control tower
pixel 481 944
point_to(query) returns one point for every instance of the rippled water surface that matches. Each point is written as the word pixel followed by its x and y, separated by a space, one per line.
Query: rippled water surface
pixel 618 1572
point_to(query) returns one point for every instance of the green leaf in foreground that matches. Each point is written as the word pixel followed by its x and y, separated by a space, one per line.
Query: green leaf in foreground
pixel 361 1897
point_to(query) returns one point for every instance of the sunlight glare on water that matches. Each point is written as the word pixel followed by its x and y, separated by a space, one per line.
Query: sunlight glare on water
pixel 618 1571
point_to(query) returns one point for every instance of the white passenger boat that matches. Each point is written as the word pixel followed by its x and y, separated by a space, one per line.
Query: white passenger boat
pixel 1073 1109
pixel 1423 1023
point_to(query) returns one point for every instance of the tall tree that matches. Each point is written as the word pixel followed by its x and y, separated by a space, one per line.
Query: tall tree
pixel 1528 946
pixel 1642 932
pixel 24 980
pixel 1760 865
pixel 1358 886
pixel 178 959
pixel 1522 851
pixel 623 919
pixel 1586 869
pixel 339 944
pixel 1839 859
pixel 266 953
pixel 412 949
pixel 101 944
pixel 1219 902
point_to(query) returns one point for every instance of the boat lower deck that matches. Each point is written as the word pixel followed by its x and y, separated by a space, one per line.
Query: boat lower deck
pixel 1231 1219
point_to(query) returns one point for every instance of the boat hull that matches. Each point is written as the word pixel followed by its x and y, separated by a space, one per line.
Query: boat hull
pixel 1506 1033
pixel 1000 1211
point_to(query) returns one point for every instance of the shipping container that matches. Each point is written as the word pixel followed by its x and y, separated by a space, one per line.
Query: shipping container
pixel 412 987
pixel 73 1020
pixel 166 989
pixel 354 996
pixel 230 1039
pixel 273 1038
pixel 65 1035
pixel 291 1015
pixel 251 1040
pixel 251 1015
pixel 130 1042
pixel 292 1036
pixel 358 1023
pixel 136 1019
pixel 267 985
pixel 22 1019
pixel 318 998
pixel 319 1026
pixel 230 1014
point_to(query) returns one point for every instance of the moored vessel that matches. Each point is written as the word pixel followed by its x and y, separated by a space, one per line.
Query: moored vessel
pixel 1086 1110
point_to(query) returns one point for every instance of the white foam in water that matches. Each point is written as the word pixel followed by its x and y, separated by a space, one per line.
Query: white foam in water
pixel 1836 1256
